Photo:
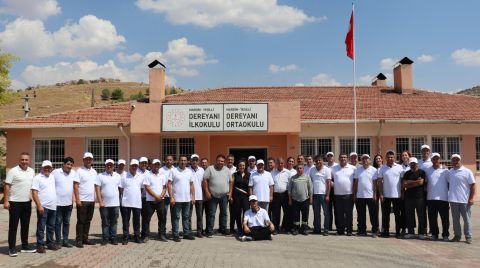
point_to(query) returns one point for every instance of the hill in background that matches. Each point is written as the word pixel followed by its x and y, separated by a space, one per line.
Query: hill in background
pixel 474 91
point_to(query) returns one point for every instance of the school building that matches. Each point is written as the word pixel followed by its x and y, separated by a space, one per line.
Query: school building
pixel 263 121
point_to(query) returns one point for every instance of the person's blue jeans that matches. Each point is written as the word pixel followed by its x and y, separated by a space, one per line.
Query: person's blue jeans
pixel 62 223
pixel 461 209
pixel 223 202
pixel 47 219
pixel 320 203
pixel 184 209
pixel 109 216
pixel 127 212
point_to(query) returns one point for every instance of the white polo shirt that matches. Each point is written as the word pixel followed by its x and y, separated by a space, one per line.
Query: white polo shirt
pixel 20 183
pixel 251 170
pixel 460 180
pixel 392 180
pixel 168 173
pixel 144 173
pixel 181 179
pixel 123 174
pixel 424 164
pixel 320 179
pixel 260 184
pixel 307 168
pixel 366 181
pixel 437 184
pixel 109 184
pixel 156 182
pixel 64 186
pixel 292 171
pixel 86 178
pixel 197 182
pixel 343 178
pixel 132 190
pixel 280 180
pixel 46 190
pixel 233 169
pixel 256 219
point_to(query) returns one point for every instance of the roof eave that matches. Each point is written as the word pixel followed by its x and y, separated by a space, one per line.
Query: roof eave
pixel 26 126
pixel 400 121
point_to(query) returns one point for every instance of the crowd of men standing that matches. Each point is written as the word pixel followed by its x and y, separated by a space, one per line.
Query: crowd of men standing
pixel 255 193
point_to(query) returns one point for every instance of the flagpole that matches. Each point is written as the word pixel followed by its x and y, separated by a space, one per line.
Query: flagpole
pixel 354 86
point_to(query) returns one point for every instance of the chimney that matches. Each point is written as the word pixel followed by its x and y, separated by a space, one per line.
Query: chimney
pixel 380 81
pixel 156 78
pixel 402 76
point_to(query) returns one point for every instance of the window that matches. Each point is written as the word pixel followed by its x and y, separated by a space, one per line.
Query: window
pixel 363 145
pixel 102 149
pixel 477 145
pixel 446 146
pixel 412 144
pixel 53 150
pixel 178 147
pixel 316 146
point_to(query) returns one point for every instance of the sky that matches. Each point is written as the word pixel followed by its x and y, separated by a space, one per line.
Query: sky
pixel 228 43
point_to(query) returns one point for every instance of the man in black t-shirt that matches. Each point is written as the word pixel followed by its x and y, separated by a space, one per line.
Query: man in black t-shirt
pixel 413 182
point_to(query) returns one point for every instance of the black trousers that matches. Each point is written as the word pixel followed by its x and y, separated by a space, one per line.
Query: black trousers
pixel 240 206
pixel 436 207
pixel 127 212
pixel 150 208
pixel 297 208
pixel 344 213
pixel 144 212
pixel 331 208
pixel 84 218
pixel 397 211
pixel 362 204
pixel 18 212
pixel 198 214
pixel 279 203
pixel 260 233
pixel 413 205
pixel 206 212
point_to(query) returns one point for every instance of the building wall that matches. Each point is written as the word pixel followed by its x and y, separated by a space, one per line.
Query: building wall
pixel 18 141
pixel 276 144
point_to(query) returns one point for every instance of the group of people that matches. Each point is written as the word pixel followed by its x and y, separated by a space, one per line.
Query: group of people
pixel 264 198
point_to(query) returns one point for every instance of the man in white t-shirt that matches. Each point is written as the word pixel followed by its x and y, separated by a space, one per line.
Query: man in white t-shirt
pixel 256 223
pixel 121 164
pixel 309 165
pixel 281 176
pixel 198 173
pixel 331 205
pixel 424 163
pixel 45 197
pixel 365 196
pixel 461 195
pixel 261 185
pixel 182 195
pixel 131 191
pixel 17 201
pixel 143 170
pixel 437 197
pixel 84 191
pixel 155 186
pixel 322 180
pixel 64 178
pixel 107 189
pixel 389 184
pixel 342 175
pixel 167 170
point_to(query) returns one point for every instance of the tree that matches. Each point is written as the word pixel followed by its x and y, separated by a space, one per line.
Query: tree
pixel 138 96
pixel 117 94
pixel 6 60
pixel 105 94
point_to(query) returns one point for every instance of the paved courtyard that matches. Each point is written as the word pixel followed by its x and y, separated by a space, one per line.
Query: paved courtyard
pixel 221 251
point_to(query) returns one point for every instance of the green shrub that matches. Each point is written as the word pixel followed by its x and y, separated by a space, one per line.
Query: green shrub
pixel 117 94
pixel 105 94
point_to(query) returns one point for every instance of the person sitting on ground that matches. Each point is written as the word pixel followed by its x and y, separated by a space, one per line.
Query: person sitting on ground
pixel 256 223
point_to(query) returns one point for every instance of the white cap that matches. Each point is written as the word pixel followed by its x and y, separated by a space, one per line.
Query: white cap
pixel 436 154
pixel 456 156
pixel 413 160
pixel 251 157
pixel 122 161
pixel 46 163
pixel 194 156
pixel 87 155
pixel 109 161
pixel 260 161
pixel 143 159
pixel 252 197
pixel 134 162
pixel 425 146
pixel 365 155
pixel 156 161
pixel 353 153
pixel 330 153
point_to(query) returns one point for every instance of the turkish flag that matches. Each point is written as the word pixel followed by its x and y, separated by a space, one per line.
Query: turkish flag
pixel 349 39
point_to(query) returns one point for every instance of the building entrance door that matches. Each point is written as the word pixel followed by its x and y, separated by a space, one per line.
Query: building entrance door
pixel 239 153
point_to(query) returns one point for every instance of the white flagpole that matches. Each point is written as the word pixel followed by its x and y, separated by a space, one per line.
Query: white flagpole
pixel 354 85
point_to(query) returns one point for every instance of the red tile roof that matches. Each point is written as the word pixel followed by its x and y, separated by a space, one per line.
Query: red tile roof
pixel 109 115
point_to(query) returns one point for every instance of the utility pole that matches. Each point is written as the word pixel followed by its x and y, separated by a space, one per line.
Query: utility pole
pixel 26 107
pixel 93 97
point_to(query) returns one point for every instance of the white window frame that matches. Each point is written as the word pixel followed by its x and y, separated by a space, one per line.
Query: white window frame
pixel 316 144
pixel 38 162
pixel 178 148
pixel 98 162
pixel 445 157
pixel 415 152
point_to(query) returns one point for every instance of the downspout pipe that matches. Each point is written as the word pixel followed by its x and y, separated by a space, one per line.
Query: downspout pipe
pixel 122 130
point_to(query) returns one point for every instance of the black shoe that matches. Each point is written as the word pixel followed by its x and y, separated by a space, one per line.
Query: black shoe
pixel 137 240
pixel 67 245
pixel 124 242
pixel 199 235
pixel 88 242
pixel 340 233
pixel 349 233
pixel 12 253
pixel 104 243
pixel 79 245
pixel 188 237
pixel 208 235
pixel 303 232
pixel 53 247
pixel 113 242
pixel 385 235
pixel 28 249
pixel 176 238
pixel 225 232
pixel 145 239
pixel 162 238
pixel 294 232
pixel 275 232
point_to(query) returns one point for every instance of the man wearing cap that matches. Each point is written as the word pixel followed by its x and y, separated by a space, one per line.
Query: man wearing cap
pixel 437 197
pixel 424 163
pixel 252 164
pixel 107 189
pixel 331 205
pixel 155 185
pixel 198 173
pixel 256 223
pixel 121 168
pixel 300 198
pixel 182 197
pixel 216 187
pixel 17 200
pixel 354 159
pixel 45 197
pixel 64 178
pixel 167 171
pixel 281 177
pixel 365 185
pixel 342 175
pixel 143 170
pixel 461 195
pixel 131 190
pixel 261 185
pixel 390 187
pixel 84 191
pixel 321 179
pixel 413 181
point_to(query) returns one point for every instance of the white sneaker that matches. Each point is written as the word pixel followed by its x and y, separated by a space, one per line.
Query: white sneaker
pixel 246 238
